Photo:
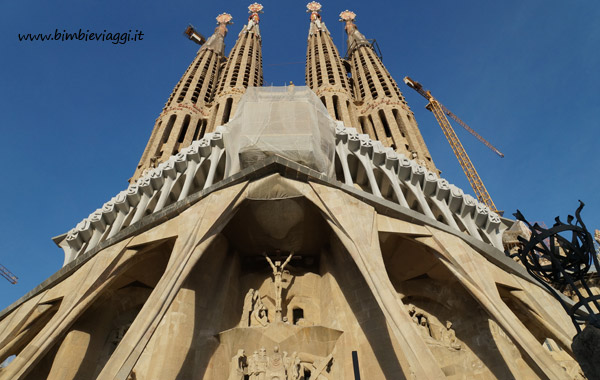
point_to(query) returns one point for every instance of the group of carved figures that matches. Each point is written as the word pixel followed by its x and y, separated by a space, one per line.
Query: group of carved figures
pixel 445 335
pixel 255 312
pixel 279 366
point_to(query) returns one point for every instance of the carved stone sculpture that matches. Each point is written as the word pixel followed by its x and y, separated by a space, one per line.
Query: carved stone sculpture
pixel 279 366
pixel 261 365
pixel 238 363
pixel 278 268
pixel 251 301
pixel 449 337
pixel 424 327
pixel 275 367
pixel 292 366
pixel 254 312
pixel 420 320
pixel 247 310
pixel 253 366
pixel 411 309
pixel 259 316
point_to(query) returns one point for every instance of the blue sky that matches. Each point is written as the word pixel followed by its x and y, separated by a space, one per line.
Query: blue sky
pixel 77 115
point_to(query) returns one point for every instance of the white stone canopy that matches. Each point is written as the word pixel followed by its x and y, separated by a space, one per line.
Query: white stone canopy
pixel 359 162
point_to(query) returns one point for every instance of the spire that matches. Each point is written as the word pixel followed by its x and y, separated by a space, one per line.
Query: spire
pixel 243 70
pixel 186 114
pixel 216 42
pixel 253 20
pixel 382 111
pixel 325 72
pixel 355 38
pixel 316 24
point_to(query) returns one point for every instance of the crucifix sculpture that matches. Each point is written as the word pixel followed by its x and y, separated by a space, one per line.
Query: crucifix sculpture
pixel 278 268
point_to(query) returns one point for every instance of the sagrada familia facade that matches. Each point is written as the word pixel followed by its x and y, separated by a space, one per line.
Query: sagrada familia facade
pixel 279 233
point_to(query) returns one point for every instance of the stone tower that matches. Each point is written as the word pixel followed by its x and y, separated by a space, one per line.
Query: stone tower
pixel 382 110
pixel 243 69
pixel 285 245
pixel 187 111
pixel 325 71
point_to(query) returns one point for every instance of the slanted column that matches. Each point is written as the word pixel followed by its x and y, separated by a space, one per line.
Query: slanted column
pixel 325 71
pixel 186 113
pixel 382 110
pixel 243 69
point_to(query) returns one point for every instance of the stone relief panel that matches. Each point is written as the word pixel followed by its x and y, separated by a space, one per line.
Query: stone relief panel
pixel 464 341
pixel 279 311
pixel 279 366
pixel 431 328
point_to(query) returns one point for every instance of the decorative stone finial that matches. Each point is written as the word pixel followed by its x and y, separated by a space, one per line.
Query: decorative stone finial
pixel 347 16
pixel 255 8
pixel 253 19
pixel 355 38
pixel 216 41
pixel 315 17
pixel 313 7
pixel 224 19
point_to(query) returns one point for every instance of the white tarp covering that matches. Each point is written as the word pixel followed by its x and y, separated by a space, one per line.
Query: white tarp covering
pixel 287 121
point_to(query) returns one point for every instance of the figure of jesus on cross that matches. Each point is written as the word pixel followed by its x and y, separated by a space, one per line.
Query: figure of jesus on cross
pixel 277 281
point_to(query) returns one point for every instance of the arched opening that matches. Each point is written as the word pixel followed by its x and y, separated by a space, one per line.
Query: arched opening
pixel 460 224
pixel 385 186
pixel 165 136
pixel 153 201
pixel 227 111
pixel 386 126
pixel 516 301
pixel 363 125
pixel 372 124
pixel 359 174
pixel 200 129
pixel 297 314
pixel 184 128
pixel 437 213
pixel 339 171
pixel 200 177
pixel 182 133
pixel 452 324
pixel 399 122
pixel 18 339
pixel 336 106
pixel 90 341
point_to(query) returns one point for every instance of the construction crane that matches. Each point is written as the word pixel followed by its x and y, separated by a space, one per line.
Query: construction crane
pixel 440 112
pixel 8 275
pixel 192 34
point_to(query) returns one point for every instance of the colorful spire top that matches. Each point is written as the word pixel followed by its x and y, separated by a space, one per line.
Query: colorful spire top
pixel 254 10
pixel 313 7
pixel 355 38
pixel 347 16
pixel 224 19
pixel 315 17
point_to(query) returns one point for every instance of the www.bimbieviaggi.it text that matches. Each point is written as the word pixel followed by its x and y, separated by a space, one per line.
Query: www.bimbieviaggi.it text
pixel 120 38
